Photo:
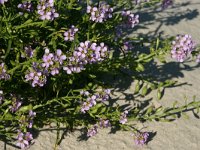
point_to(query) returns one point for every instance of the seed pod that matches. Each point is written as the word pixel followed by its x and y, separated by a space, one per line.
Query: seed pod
pixel 137 87
pixel 159 95
pixel 144 90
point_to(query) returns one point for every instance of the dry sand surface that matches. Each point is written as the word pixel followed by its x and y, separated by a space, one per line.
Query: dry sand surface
pixel 182 134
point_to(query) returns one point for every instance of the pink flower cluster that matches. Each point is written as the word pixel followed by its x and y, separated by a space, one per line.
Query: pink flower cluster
pixel 91 99
pixel 123 117
pixel 140 138
pixel 23 139
pixel 28 52
pixel 86 53
pixel 101 13
pixel 94 129
pixel 46 10
pixel 16 103
pixel 182 46
pixel 130 19
pixel 69 35
pixel 25 6
pixel 27 121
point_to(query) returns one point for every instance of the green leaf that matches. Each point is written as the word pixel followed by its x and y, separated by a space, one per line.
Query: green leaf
pixel 25 108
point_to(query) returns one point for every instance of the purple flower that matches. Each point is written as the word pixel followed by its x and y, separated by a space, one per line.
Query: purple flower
pixel 28 136
pixel 28 52
pixel 47 59
pixel 123 117
pixel 130 19
pixel 100 14
pixel 182 47
pixel 3 74
pixel 53 62
pixel 69 35
pixel 104 123
pixel 86 53
pixel 140 138
pixel 15 105
pixel 46 10
pixel 105 95
pixel 23 140
pixel 127 46
pixel 37 78
pixel 25 6
pixel 3 1
pixel 85 93
pixel 90 102
pixel 31 117
pixel 59 57
pixel 166 3
pixel 92 131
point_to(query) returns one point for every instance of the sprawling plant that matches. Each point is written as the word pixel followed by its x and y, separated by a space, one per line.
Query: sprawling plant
pixel 56 58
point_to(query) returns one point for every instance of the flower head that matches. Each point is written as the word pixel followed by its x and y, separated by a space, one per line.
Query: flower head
pixel 182 46
pixel 101 13
pixel 104 123
pixel 131 20
pixel 46 10
pixel 92 131
pixel 85 53
pixel 69 35
pixel 3 72
pixel 123 117
pixel 23 139
pixel 28 52
pixel 140 138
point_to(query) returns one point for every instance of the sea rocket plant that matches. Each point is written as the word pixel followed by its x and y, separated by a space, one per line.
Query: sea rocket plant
pixel 46 50
pixel 182 47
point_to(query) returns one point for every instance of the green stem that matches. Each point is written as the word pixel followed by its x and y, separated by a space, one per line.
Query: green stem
pixel 57 136
pixel 9 47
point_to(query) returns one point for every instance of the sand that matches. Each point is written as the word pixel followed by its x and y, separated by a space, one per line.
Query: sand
pixel 181 134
